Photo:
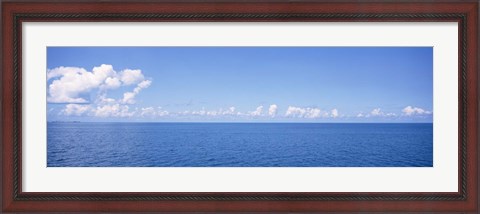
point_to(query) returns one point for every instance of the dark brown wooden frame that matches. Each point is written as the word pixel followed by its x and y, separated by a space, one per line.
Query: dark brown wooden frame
pixel 16 12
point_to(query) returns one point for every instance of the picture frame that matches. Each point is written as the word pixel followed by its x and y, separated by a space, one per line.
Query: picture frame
pixel 15 13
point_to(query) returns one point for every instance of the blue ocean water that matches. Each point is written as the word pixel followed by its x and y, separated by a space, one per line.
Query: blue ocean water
pixel 82 144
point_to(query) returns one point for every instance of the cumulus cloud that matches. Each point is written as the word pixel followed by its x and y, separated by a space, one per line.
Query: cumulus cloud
pixel 144 84
pixel 298 112
pixel 334 113
pixel 129 97
pixel 149 111
pixel 75 109
pixel 115 110
pixel 153 112
pixel 272 110
pixel 257 112
pixel 390 115
pixel 103 99
pixel 409 111
pixel 112 83
pixel 221 112
pixel 161 112
pixel 130 77
pixel 212 113
pixel 295 111
pixel 60 71
pixel 229 111
pixel 201 112
pixel 376 112
pixel 73 84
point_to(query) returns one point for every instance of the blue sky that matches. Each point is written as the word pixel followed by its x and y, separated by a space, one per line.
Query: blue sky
pixel 240 84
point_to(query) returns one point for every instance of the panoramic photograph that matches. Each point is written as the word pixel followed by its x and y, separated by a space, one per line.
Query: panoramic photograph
pixel 239 106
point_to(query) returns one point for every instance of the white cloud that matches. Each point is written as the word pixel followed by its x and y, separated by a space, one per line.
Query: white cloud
pixel 257 112
pixel 272 110
pixel 144 84
pixel 314 113
pixel 103 71
pixel 102 99
pixel 298 112
pixel 152 112
pixel 73 84
pixel 334 113
pixel 149 111
pixel 201 112
pixel 115 110
pixel 60 71
pixel 129 97
pixel 112 83
pixel 220 112
pixel 409 111
pixel 376 112
pixel 360 115
pixel 295 112
pixel 130 77
pixel 75 109
pixel 212 113
pixel 161 112
pixel 390 115
pixel 229 111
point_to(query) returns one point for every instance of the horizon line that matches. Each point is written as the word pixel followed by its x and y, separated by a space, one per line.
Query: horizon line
pixel 237 122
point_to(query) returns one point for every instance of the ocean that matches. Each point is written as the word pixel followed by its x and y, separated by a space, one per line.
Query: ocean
pixel 85 144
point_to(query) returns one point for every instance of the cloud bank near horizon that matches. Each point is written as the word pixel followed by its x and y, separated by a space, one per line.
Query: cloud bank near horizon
pixel 85 93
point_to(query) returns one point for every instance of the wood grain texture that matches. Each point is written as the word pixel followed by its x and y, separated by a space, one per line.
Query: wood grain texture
pixel 16 12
